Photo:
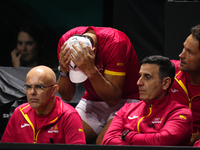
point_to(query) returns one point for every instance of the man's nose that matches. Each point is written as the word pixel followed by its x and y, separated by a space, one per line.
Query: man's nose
pixel 33 90
pixel 182 54
pixel 139 82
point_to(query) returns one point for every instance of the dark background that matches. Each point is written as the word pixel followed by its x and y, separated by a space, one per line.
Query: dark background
pixel 153 26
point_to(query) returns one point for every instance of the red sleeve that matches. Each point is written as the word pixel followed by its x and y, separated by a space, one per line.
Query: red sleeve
pixel 10 133
pixel 197 144
pixel 118 58
pixel 113 134
pixel 73 129
pixel 175 131
pixel 60 43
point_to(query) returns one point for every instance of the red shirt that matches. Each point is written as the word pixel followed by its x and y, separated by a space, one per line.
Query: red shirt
pixel 162 122
pixel 197 144
pixel 115 56
pixel 180 93
pixel 62 125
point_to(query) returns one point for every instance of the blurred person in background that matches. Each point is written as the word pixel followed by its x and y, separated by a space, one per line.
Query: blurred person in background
pixel 32 47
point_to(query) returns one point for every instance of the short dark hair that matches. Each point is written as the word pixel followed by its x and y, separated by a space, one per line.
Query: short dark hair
pixel 86 36
pixel 196 33
pixel 166 67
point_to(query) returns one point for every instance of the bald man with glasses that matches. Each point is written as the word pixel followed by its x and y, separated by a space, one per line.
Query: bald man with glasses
pixel 45 118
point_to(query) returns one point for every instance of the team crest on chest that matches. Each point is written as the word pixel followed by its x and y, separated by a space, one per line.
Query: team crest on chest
pixel 53 129
pixel 157 120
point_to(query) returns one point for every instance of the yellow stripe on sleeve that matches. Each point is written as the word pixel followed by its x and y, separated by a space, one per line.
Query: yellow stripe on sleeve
pixel 181 116
pixel 79 129
pixel 115 73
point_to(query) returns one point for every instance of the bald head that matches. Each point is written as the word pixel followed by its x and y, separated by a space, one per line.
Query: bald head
pixel 41 89
pixel 45 74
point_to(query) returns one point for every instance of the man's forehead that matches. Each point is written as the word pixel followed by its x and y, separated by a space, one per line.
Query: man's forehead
pixel 149 69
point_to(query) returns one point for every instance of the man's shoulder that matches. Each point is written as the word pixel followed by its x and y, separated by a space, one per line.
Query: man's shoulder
pixel 178 73
pixel 176 105
pixel 133 105
pixel 67 108
pixel 176 64
pixel 24 106
pixel 63 108
pixel 76 30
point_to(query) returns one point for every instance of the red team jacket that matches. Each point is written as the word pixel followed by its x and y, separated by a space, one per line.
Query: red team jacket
pixel 180 94
pixel 162 122
pixel 63 125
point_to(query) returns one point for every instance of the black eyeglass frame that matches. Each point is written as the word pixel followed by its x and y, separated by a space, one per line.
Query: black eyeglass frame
pixel 37 86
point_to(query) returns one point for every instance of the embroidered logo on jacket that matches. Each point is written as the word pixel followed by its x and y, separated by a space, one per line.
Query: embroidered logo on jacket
pixel 129 117
pixel 53 129
pixel 174 90
pixel 25 125
pixel 157 120
pixel 100 67
pixel 120 64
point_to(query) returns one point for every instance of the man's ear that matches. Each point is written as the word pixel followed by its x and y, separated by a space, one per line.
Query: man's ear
pixel 166 83
pixel 94 49
pixel 55 90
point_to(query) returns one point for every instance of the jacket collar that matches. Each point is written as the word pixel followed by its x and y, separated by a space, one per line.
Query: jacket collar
pixel 162 102
pixel 57 111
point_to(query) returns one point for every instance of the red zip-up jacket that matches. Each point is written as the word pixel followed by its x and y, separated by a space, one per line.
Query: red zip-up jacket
pixel 64 125
pixel 162 122
pixel 180 94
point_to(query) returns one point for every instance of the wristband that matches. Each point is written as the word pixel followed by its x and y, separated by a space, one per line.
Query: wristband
pixel 61 73
pixel 124 134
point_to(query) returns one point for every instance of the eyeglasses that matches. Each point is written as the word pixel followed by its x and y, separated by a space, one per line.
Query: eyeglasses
pixel 37 87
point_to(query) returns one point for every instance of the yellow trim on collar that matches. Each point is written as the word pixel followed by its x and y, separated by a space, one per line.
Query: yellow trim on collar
pixel 28 120
pixel 184 88
pixel 138 124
